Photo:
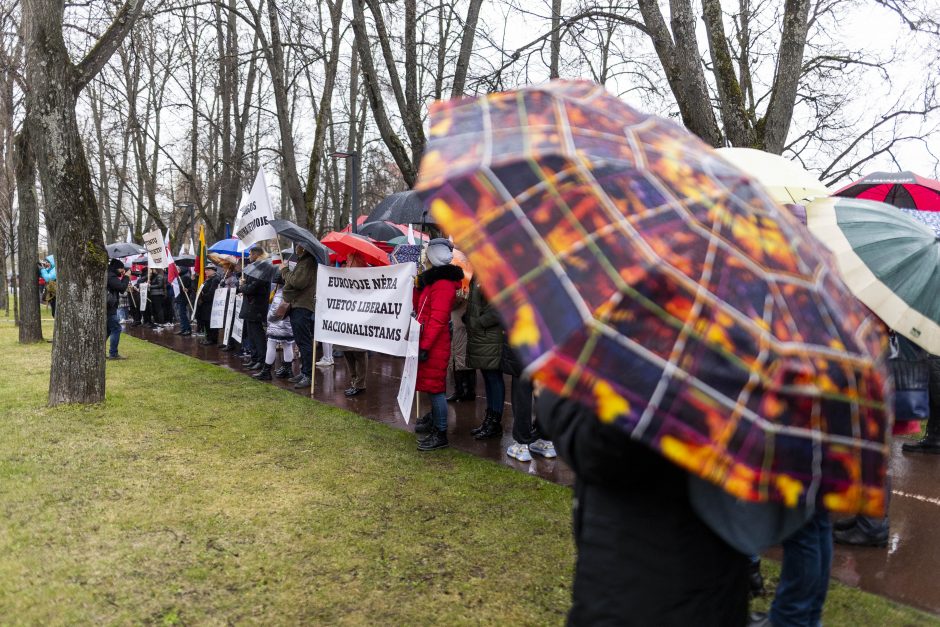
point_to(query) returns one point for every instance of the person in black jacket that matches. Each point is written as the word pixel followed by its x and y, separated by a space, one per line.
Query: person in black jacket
pixel 183 301
pixel 644 556
pixel 117 285
pixel 157 295
pixel 254 311
pixel 204 306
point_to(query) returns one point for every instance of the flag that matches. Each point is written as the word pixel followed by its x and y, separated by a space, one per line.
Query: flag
pixel 201 257
pixel 182 250
pixel 411 236
pixel 172 272
pixel 192 249
pixel 253 219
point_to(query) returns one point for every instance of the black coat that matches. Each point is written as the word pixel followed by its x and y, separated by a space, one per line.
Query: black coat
pixel 255 305
pixel 204 307
pixel 186 283
pixel 644 557
pixel 157 284
pixel 117 285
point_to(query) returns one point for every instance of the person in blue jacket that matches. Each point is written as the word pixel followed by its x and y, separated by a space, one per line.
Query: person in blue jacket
pixel 48 274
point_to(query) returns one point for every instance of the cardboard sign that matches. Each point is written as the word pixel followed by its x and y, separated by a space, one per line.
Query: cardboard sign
pixel 409 375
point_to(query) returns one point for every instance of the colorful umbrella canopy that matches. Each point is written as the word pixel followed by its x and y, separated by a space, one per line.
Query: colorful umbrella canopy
pixel 901 189
pixel 405 253
pixel 889 260
pixel 784 180
pixel 227 247
pixel 930 218
pixel 345 243
pixel 645 277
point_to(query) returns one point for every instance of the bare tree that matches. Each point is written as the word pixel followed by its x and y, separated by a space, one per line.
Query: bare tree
pixel 53 83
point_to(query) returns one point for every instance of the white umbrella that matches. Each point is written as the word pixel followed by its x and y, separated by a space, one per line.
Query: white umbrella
pixel 786 181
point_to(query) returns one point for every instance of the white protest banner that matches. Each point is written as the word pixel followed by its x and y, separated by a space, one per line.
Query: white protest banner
pixel 255 214
pixel 156 251
pixel 238 324
pixel 367 308
pixel 409 375
pixel 229 315
pixel 219 302
pixel 143 288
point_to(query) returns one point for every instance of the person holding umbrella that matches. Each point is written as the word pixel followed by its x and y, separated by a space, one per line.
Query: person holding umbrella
pixel 300 286
pixel 685 332
pixel 117 285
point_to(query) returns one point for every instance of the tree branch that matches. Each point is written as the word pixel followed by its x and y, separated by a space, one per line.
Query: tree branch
pixel 96 58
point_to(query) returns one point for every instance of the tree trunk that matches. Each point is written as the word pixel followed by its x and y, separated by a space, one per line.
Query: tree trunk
pixel 787 78
pixel 27 234
pixel 466 48
pixel 555 40
pixel 74 223
pixel 323 114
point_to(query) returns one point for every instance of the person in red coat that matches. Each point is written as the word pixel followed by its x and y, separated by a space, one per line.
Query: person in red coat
pixel 434 298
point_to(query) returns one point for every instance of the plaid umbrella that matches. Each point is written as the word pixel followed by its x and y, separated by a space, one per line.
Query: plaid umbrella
pixel 901 189
pixel 645 277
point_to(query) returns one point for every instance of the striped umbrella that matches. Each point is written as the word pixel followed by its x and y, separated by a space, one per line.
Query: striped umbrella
pixel 901 189
pixel 889 260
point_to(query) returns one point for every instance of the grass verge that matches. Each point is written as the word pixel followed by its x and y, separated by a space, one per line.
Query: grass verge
pixel 194 495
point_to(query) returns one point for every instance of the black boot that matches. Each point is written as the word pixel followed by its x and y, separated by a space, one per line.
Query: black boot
pixel 258 365
pixel 492 427
pixel 755 579
pixel 458 388
pixel 469 385
pixel 286 370
pixel 479 428
pixel 930 443
pixel 434 440
pixel 264 374
pixel 424 423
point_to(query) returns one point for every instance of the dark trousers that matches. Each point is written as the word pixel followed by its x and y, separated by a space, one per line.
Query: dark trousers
pixel 114 334
pixel 495 390
pixel 182 310
pixel 804 574
pixel 523 429
pixel 302 324
pixel 254 333
pixel 156 304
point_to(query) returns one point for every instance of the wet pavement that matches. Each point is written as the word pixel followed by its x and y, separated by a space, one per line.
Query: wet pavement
pixel 907 571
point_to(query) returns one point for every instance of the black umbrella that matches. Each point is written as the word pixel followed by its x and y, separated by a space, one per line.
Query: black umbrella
pixel 401 208
pixel 124 249
pixel 185 261
pixel 379 231
pixel 302 236
pixel 263 270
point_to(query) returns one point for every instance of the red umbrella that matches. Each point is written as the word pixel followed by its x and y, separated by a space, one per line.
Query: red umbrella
pixel 901 189
pixel 345 243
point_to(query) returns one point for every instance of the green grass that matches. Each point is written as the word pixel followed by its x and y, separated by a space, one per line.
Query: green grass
pixel 194 495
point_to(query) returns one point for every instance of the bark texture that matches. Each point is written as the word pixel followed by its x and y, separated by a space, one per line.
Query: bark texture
pixel 27 234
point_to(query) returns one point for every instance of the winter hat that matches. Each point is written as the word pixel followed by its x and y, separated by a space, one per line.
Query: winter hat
pixel 440 251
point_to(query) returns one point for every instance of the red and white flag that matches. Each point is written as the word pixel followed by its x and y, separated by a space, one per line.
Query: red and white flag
pixel 172 272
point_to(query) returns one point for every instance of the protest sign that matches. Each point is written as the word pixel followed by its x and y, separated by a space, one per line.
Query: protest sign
pixel 409 375
pixel 367 308
pixel 144 288
pixel 252 222
pixel 156 251
pixel 219 302
pixel 238 323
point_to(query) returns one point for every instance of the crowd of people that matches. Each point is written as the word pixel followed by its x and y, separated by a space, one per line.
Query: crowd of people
pixel 643 550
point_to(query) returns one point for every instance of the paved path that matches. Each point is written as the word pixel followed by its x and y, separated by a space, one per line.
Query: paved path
pixel 907 571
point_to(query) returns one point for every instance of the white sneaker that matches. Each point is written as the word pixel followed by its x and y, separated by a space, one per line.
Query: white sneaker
pixel 545 448
pixel 324 362
pixel 519 451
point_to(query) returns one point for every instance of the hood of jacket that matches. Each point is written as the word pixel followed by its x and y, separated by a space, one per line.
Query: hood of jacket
pixel 439 273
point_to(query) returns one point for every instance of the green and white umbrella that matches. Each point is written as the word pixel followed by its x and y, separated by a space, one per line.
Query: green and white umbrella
pixel 890 261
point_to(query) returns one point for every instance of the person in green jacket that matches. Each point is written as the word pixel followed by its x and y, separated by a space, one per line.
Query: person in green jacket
pixel 300 288
pixel 484 352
